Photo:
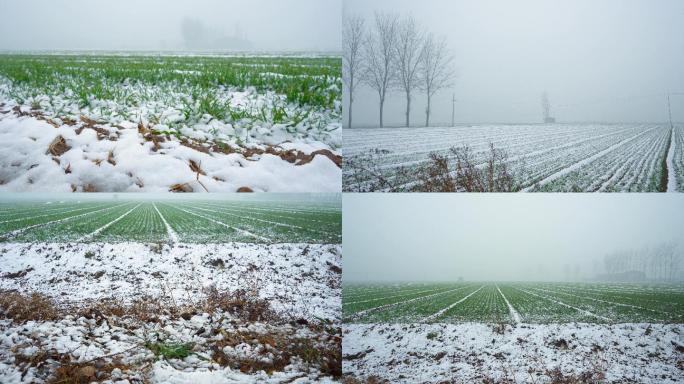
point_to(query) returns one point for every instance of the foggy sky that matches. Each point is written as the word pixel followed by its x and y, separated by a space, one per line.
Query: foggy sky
pixel 608 60
pixel 331 198
pixel 270 25
pixel 439 237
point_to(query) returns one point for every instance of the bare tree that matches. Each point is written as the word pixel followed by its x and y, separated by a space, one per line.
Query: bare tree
pixel 378 56
pixel 436 69
pixel 408 56
pixel 353 34
pixel 671 260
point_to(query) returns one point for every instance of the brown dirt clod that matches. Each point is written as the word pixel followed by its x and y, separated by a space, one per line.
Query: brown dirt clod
pixel 90 123
pixel 185 187
pixel 89 188
pixel 110 158
pixel 333 157
pixel 58 146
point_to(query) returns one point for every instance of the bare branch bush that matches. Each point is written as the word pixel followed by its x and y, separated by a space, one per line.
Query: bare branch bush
pixel 366 173
pixel 457 170
pixel 468 174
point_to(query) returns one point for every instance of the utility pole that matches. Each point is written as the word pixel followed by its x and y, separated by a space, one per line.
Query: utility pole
pixel 453 108
pixel 669 110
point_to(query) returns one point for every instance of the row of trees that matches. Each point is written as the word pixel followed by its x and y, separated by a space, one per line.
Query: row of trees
pixel 394 54
pixel 662 262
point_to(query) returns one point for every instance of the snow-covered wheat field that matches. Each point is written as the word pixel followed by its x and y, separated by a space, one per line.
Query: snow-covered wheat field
pixel 546 157
pixel 181 123
pixel 170 290
pixel 522 332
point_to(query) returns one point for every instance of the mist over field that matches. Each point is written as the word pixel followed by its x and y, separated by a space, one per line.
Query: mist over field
pixel 606 61
pixel 557 237
pixel 201 25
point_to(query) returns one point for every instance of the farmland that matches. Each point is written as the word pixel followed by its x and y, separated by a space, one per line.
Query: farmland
pixel 238 121
pixel 514 332
pixel 154 274
pixel 544 158
pixel 535 303
pixel 171 221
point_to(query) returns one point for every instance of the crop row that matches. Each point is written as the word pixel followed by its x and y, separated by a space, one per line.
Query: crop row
pixel 303 81
pixel 545 157
pixel 196 221
pixel 678 157
pixel 529 303
pixel 224 100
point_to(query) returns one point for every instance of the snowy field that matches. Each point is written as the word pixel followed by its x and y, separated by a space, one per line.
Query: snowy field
pixel 549 158
pixel 170 290
pixel 518 333
pixel 113 123
pixel 527 353
pixel 298 280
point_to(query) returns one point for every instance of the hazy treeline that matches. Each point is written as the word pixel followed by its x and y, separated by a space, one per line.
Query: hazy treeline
pixel 394 54
pixel 661 262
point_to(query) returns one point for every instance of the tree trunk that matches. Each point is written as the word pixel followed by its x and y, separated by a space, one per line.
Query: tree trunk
pixel 427 112
pixel 382 102
pixel 408 107
pixel 351 101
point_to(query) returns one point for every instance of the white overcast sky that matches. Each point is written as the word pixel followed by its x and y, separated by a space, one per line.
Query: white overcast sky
pixel 599 60
pixel 330 198
pixel 273 25
pixel 439 237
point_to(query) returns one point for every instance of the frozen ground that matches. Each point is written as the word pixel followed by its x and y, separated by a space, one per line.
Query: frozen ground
pixel 526 353
pixel 237 312
pixel 298 280
pixel 38 156
pixel 219 349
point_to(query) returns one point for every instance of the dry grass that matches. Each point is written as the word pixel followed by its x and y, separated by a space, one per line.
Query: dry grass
pixel 244 304
pixel 327 358
pixel 458 170
pixel 196 167
pixel 21 308
pixel 58 146
pixel 322 352
pixel 366 380
pixel 185 187
pixel 69 372
pixel 556 376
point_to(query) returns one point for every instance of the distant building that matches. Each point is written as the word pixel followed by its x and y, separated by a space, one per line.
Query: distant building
pixel 549 120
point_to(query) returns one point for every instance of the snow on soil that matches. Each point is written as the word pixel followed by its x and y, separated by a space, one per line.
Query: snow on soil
pixel 96 342
pixel 126 161
pixel 471 352
pixel 298 280
pixel 671 175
